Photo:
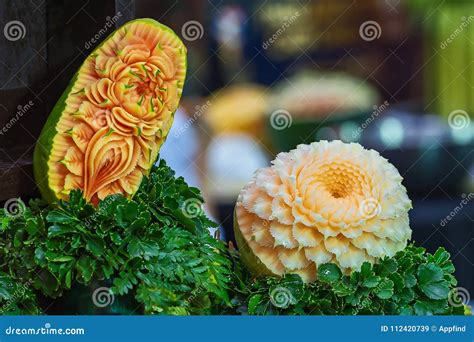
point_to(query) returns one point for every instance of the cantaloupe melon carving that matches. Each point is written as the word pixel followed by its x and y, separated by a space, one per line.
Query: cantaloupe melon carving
pixel 324 202
pixel 105 132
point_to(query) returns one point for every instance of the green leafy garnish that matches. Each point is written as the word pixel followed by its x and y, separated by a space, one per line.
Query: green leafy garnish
pixel 146 246
pixel 413 282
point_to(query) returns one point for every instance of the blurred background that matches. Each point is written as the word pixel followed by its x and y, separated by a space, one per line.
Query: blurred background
pixel 267 75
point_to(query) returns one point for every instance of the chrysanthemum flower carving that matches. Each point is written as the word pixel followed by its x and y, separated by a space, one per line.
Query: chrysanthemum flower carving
pixel 118 112
pixel 324 202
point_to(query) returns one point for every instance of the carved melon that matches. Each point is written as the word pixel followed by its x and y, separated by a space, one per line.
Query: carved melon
pixel 319 203
pixel 106 130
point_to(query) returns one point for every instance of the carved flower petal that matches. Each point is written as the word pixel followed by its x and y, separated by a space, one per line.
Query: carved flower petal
pixel 261 234
pixel 81 134
pixel 108 158
pixel 293 259
pixel 283 235
pixel 307 236
pixel 74 161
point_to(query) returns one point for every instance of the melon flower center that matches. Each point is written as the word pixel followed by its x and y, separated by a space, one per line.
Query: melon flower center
pixel 324 202
pixel 118 113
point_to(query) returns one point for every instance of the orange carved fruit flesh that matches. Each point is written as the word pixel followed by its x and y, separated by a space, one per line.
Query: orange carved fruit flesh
pixel 106 130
